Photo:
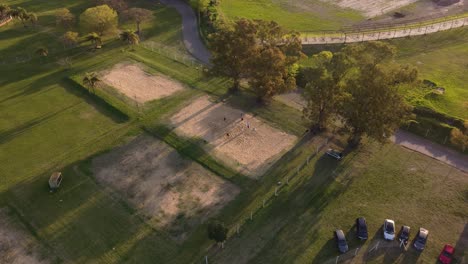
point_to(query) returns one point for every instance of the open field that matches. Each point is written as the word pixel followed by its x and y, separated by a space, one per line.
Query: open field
pixel 375 182
pixel 16 245
pixel 233 135
pixel 308 15
pixel 49 124
pixel 132 81
pixel 175 194
pixel 318 15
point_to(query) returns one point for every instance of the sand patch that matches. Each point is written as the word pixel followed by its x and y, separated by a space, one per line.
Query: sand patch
pixel 371 8
pixel 16 245
pixel 240 140
pixel 132 81
pixel 174 193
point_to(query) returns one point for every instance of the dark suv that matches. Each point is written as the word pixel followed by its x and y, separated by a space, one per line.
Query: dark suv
pixel 341 241
pixel 421 239
pixel 404 234
pixel 361 228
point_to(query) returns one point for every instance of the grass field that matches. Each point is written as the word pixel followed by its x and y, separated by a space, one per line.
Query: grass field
pixel 441 58
pixel 320 16
pixel 49 123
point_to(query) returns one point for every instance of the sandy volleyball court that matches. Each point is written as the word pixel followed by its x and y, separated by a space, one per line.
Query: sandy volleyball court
pixel 174 193
pixel 239 139
pixel 132 81
pixel 16 246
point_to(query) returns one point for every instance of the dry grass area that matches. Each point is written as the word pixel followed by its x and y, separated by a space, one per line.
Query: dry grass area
pixel 371 8
pixel 174 193
pixel 293 99
pixel 135 83
pixel 16 246
pixel 239 139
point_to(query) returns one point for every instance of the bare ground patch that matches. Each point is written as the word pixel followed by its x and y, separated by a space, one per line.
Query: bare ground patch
pixel 135 83
pixel 239 139
pixel 371 8
pixel 293 99
pixel 16 245
pixel 174 193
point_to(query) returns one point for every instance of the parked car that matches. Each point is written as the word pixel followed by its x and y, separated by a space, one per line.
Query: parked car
pixel 341 241
pixel 421 239
pixel 389 229
pixel 361 228
pixel 446 256
pixel 404 234
pixel 334 154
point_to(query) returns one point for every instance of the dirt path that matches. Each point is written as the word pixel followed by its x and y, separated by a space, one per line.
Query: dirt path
pixel 192 40
pixel 431 149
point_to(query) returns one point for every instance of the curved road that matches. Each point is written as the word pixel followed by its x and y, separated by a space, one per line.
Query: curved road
pixel 195 46
pixel 192 40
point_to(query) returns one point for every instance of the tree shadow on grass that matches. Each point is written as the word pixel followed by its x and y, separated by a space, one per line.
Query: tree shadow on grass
pixel 81 221
pixel 461 253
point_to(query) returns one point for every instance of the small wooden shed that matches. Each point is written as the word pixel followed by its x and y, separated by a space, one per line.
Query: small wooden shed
pixel 55 180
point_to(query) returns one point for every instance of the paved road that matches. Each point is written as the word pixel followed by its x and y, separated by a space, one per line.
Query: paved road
pixel 192 39
pixel 431 149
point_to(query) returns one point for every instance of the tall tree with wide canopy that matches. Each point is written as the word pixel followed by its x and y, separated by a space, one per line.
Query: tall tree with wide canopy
pixel 323 92
pixel 272 68
pixel 232 50
pixel 64 18
pixel 373 105
pixel 101 19
pixel 138 15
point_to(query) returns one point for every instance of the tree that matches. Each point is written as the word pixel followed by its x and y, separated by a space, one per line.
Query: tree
pixel 272 68
pixel 101 19
pixel 118 5
pixel 95 39
pixel 130 37
pixel 64 18
pixel 69 39
pixel 4 10
pixel 91 80
pixel 460 138
pixel 14 13
pixel 323 91
pixel 33 18
pixel 22 15
pixel 232 51
pixel 42 52
pixel 217 232
pixel 373 106
pixel 138 15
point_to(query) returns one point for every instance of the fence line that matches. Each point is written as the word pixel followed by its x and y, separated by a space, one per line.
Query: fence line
pixel 349 35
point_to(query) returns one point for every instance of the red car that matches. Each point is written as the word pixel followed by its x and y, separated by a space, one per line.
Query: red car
pixel 446 256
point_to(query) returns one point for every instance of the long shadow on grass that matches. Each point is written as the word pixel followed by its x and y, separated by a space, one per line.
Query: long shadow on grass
pixel 462 245
pixel 10 134
pixel 81 221
pixel 293 217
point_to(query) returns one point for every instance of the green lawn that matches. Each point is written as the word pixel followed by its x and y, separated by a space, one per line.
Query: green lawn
pixel 49 123
pixel 377 183
pixel 321 17
pixel 441 58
